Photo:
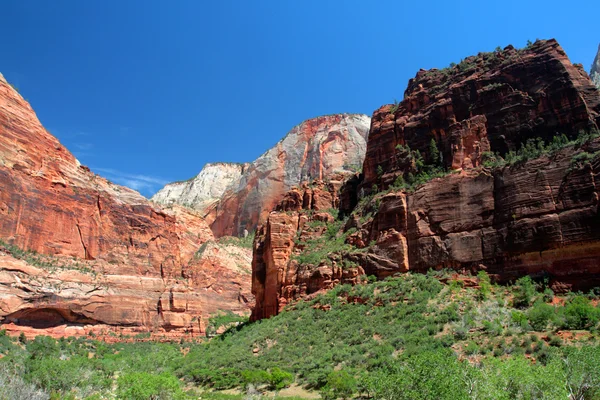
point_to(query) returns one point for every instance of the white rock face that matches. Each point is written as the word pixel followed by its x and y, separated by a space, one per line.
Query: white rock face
pixel 234 197
pixel 595 71
pixel 203 190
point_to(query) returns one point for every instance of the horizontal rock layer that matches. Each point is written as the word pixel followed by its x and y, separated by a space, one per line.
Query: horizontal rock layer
pixel 490 102
pixel 53 205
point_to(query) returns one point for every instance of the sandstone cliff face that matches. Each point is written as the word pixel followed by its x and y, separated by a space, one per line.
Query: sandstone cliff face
pixel 205 189
pixel 538 216
pixel 314 149
pixel 51 204
pixel 595 71
pixel 490 102
pixel 299 219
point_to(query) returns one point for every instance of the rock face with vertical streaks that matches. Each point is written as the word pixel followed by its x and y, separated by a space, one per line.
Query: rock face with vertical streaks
pixel 132 262
pixel 492 102
pixel 537 216
pixel 315 149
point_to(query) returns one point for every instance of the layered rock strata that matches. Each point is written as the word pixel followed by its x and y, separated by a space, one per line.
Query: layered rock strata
pixel 492 102
pixel 141 256
pixel 538 216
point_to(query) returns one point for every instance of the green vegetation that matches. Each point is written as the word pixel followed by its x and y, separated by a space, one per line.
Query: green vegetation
pixel 224 320
pixel 419 171
pixel 245 242
pixel 395 107
pixel 534 148
pixel 406 337
pixel 325 247
pixel 46 262
pixel 486 60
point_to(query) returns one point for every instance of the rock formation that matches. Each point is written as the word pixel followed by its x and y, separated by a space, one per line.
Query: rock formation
pixel 314 149
pixel 140 258
pixel 537 216
pixel 299 218
pixel 595 71
pixel 205 189
pixel 489 102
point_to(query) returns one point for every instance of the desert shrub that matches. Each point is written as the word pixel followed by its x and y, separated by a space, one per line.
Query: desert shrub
pixel 144 386
pixel 13 387
pixel 579 313
pixel 523 292
pixel 485 286
pixel 580 371
pixel 224 319
pixel 471 348
pixel 520 319
pixel 56 375
pixel 540 315
pixel 255 377
pixel 340 384
pixel 279 379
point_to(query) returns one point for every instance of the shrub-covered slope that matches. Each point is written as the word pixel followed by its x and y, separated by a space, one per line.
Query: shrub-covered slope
pixel 436 336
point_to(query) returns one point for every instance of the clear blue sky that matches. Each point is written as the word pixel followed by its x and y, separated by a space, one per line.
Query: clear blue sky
pixel 148 91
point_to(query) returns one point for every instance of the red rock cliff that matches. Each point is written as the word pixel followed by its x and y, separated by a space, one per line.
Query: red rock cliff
pixel 489 102
pixel 314 149
pixel 539 216
pixel 52 205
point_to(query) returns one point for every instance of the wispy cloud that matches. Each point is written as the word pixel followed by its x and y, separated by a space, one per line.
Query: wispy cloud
pixel 147 185
pixel 83 146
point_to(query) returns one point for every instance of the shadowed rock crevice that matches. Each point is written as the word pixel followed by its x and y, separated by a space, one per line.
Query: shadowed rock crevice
pixel 48 317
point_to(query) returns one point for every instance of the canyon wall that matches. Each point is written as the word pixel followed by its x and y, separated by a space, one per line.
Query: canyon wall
pixel 538 215
pixel 315 149
pixel 492 102
pixel 53 205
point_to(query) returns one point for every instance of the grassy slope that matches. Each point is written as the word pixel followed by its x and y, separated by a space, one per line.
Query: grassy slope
pixel 405 337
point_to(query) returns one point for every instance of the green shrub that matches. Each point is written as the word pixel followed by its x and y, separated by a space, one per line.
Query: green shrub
pixel 523 292
pixel 144 386
pixel 520 319
pixel 224 319
pixel 460 333
pixel 471 348
pixel 279 379
pixel 340 384
pixel 579 313
pixel 555 341
pixel 485 286
pixel 540 315
pixel 255 377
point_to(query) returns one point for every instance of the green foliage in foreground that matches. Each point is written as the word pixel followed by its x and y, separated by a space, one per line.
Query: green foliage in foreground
pixel 395 339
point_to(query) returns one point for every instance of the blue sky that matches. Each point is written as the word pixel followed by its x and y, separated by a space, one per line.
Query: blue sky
pixel 146 91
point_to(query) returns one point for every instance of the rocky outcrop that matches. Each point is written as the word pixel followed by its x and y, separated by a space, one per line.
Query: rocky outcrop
pixel 315 149
pixel 595 71
pixel 205 189
pixel 538 216
pixel 299 219
pixel 489 102
pixel 143 254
